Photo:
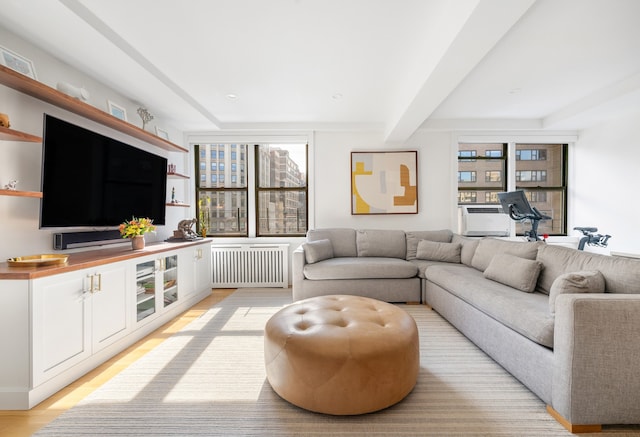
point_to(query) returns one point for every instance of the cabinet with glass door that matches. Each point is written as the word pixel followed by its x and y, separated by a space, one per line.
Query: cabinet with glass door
pixel 145 289
pixel 156 285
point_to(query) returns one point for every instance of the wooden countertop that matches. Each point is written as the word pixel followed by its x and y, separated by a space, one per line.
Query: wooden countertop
pixel 93 258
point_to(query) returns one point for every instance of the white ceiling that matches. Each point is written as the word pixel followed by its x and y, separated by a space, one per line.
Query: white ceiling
pixel 393 65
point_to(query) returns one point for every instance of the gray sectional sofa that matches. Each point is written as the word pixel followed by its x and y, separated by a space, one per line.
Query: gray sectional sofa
pixel 566 323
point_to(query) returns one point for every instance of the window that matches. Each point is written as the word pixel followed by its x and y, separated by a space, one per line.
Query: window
pixel 541 172
pixel 466 176
pixel 491 161
pixel 539 169
pixel 531 175
pixel 215 199
pixel 467 197
pixel 280 187
pixel 463 155
pixel 531 155
pixel 492 176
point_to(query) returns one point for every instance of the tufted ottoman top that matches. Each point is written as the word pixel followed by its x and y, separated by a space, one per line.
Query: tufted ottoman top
pixel 342 354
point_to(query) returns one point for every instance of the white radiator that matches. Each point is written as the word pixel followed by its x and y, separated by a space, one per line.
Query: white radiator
pixel 250 265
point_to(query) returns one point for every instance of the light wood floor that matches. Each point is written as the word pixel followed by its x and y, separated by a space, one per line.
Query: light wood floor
pixel 25 423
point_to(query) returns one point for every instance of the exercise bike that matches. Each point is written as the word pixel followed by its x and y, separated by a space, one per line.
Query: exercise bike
pixel 591 238
pixel 515 204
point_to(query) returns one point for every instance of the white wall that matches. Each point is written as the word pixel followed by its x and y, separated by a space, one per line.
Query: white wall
pixel 19 231
pixel 604 170
pixel 332 188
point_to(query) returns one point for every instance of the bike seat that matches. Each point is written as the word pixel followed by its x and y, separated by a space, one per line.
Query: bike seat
pixel 587 229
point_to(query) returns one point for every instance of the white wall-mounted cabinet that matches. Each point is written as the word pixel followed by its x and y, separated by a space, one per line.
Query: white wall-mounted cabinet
pixel 59 322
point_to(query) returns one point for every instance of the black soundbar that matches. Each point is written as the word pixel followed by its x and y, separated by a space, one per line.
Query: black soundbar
pixel 69 240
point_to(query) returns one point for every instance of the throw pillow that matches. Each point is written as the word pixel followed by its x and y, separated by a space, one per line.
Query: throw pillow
pixel 434 251
pixel 590 281
pixel 516 272
pixel 319 250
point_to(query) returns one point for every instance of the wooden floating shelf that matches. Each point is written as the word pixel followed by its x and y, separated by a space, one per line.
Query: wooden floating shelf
pixel 177 176
pixel 36 194
pixel 26 85
pixel 185 205
pixel 7 134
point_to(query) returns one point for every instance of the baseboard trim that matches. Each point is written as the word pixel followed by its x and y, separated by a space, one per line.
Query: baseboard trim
pixel 572 428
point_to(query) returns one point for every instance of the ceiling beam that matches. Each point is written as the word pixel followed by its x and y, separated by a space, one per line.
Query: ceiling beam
pixel 101 27
pixel 487 24
pixel 600 104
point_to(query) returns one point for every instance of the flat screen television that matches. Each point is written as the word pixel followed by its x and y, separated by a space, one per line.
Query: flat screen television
pixel 91 180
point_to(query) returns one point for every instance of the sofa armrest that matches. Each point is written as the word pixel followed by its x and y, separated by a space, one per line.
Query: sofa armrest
pixel 597 351
pixel 298 262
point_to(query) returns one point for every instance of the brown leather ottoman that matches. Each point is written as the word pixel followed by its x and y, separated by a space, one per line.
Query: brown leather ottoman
pixel 342 354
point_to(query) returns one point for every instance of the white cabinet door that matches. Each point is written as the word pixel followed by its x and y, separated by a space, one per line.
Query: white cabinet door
pixel 109 306
pixel 75 315
pixel 195 269
pixel 204 275
pixel 60 338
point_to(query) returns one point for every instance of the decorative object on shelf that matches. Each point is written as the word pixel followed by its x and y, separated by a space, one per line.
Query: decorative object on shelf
pixel 79 93
pixel 185 231
pixel 4 120
pixel 173 195
pixel 11 186
pixel 17 63
pixel 145 116
pixel 117 111
pixel 37 260
pixel 135 230
pixel 171 168
pixel 203 216
pixel 162 133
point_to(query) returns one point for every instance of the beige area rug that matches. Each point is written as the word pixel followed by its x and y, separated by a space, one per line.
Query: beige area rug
pixel 209 380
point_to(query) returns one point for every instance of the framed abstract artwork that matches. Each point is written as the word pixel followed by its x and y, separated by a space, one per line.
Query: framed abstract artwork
pixel 384 182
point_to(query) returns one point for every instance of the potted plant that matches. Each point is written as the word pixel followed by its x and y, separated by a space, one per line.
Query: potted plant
pixel 135 230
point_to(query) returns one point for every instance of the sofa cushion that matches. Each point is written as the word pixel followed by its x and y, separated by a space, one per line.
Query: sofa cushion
pixel 434 251
pixel 381 243
pixel 525 313
pixel 360 268
pixel 469 246
pixel 516 272
pixel 423 264
pixel 319 250
pixel 575 282
pixel 488 247
pixel 414 237
pixel 343 240
pixel 621 275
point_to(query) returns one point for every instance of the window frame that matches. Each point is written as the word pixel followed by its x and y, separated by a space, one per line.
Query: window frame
pixel 258 190
pixel 249 169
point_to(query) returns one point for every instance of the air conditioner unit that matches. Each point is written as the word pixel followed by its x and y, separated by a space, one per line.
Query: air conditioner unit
pixel 484 220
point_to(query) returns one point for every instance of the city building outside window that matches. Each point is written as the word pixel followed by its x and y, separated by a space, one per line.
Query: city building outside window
pixel 538 169
pixel 541 171
pixel 490 160
pixel 217 196
pixel 280 189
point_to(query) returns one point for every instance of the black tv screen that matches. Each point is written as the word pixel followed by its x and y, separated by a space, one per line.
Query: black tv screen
pixel 90 180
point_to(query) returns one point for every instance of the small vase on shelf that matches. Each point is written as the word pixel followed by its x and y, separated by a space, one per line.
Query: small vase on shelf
pixel 137 242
